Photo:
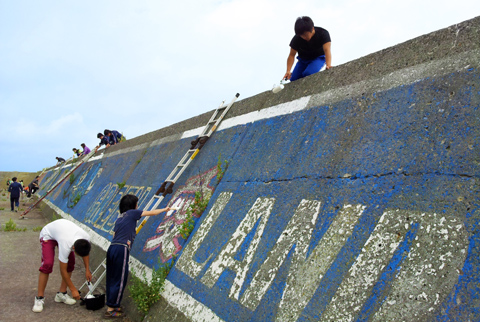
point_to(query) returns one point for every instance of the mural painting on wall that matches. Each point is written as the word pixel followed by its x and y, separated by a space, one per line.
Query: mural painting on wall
pixel 413 256
pixel 84 183
pixel 168 238
pixel 104 210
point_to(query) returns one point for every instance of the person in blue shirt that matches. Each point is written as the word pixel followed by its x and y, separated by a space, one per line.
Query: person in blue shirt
pixel 103 140
pixel 15 190
pixel 118 253
pixel 113 136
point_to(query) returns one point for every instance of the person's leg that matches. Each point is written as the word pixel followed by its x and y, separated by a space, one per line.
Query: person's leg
pixel 48 256
pixel 70 267
pixel 11 203
pixel 314 66
pixel 17 202
pixel 117 263
pixel 299 69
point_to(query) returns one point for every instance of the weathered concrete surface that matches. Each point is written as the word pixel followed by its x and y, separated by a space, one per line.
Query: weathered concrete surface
pixel 350 195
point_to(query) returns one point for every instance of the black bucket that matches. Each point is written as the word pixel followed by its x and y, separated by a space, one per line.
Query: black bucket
pixel 95 303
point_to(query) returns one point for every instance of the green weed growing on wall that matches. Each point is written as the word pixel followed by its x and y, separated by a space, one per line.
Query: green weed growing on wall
pixel 221 170
pixel 197 207
pixel 121 185
pixel 72 178
pixel 145 295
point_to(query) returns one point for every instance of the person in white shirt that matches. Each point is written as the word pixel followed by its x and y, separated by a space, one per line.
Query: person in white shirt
pixel 69 238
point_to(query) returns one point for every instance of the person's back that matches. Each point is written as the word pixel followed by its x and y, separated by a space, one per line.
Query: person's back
pixel 15 190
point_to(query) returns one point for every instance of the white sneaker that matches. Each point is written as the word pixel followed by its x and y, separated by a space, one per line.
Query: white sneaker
pixel 64 298
pixel 38 305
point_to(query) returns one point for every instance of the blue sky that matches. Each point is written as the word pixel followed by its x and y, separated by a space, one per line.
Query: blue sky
pixel 70 69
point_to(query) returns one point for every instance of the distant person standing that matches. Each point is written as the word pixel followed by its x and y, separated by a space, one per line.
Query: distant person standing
pixel 15 190
pixel 313 47
pixel 32 187
pixel 85 148
pixel 23 191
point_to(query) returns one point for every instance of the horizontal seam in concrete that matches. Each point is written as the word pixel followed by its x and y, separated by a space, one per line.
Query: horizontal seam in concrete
pixel 354 177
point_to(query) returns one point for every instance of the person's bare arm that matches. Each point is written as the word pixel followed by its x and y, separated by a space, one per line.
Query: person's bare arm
pixel 68 281
pixel 328 55
pixel 86 262
pixel 155 212
pixel 290 61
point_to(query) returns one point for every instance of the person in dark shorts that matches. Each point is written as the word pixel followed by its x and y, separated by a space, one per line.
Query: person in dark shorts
pixel 313 47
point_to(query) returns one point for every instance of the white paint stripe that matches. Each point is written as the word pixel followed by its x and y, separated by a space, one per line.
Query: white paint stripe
pixel 186 304
pixel 277 110
pixel 177 298
pixel 120 293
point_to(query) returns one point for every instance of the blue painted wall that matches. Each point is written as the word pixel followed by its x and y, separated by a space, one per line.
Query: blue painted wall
pixel 413 149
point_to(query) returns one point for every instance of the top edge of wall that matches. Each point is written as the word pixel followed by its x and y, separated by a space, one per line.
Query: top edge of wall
pixel 438 45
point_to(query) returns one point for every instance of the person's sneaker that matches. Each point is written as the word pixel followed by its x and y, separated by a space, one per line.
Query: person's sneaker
pixel 38 305
pixel 64 298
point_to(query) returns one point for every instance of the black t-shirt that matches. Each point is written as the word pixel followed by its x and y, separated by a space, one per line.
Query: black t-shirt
pixel 313 48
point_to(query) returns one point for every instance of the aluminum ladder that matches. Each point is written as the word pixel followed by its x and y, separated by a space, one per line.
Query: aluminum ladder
pixel 167 186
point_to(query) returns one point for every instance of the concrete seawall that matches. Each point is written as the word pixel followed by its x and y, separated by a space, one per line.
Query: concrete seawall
pixel 352 195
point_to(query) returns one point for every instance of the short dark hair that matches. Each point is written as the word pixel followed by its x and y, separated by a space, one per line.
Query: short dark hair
pixel 302 25
pixel 82 145
pixel 128 202
pixel 107 132
pixel 82 247
pixel 99 135
pixel 14 179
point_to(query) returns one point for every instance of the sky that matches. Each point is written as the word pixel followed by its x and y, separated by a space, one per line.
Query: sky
pixel 70 69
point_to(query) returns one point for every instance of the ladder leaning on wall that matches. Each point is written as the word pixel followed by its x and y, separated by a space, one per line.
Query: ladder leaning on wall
pixel 167 186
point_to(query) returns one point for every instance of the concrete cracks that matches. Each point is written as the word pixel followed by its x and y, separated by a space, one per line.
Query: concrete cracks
pixel 348 176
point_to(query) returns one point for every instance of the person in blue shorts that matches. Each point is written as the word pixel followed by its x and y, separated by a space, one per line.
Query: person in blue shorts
pixel 313 47
pixel 118 253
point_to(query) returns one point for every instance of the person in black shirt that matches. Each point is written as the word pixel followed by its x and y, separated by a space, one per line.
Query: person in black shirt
pixel 313 47
pixel 33 186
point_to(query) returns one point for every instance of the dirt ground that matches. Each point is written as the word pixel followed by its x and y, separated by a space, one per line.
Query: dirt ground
pixel 20 258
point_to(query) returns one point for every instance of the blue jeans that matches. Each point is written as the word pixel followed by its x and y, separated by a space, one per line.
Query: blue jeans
pixel 306 67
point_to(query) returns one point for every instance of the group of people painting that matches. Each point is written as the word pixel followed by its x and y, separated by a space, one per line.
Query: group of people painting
pixel 108 138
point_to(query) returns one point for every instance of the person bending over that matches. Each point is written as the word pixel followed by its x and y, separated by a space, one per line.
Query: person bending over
pixel 69 238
